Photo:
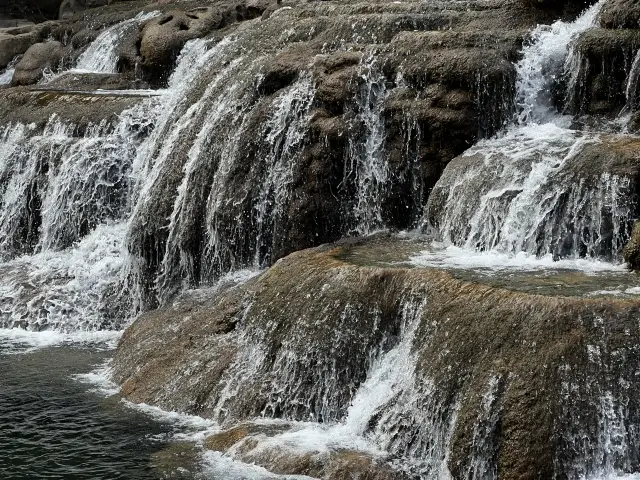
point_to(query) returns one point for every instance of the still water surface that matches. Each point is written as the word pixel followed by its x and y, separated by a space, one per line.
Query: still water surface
pixel 53 426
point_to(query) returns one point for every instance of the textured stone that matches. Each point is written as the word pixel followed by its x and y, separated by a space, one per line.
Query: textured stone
pixel 36 60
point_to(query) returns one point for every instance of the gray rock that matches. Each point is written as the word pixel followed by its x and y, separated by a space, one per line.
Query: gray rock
pixel 632 249
pixel 36 59
pixel 69 8
pixel 15 41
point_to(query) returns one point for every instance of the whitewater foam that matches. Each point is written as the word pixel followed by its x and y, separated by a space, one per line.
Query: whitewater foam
pixel 465 258
pixel 20 341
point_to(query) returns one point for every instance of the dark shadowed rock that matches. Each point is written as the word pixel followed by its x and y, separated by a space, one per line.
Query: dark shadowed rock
pixel 620 14
pixel 71 7
pixel 33 10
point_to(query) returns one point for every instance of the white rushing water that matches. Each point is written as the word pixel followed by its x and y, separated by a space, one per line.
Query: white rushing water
pixel 64 257
pixel 546 56
pixel 102 55
pixel 527 190
pixel 366 159
pixel 6 76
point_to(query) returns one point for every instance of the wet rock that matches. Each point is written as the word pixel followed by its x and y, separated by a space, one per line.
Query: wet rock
pixel 15 41
pixel 620 14
pixel 38 58
pixel 502 401
pixel 632 249
pixel 27 106
pixel 577 198
pixel 260 444
pixel 71 7
pixel 90 82
pixel 604 60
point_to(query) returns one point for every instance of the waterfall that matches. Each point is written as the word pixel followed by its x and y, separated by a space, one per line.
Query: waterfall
pixel 66 195
pixel 542 59
pixel 366 159
pixel 631 88
pixel 527 189
pixel 6 76
pixel 102 55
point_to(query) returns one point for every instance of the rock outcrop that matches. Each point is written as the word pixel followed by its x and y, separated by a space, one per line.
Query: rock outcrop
pixel 297 342
pixel 15 41
pixel 632 249
pixel 37 59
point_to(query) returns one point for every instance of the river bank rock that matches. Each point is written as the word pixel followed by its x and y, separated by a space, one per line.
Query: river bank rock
pixel 632 249
pixel 495 375
pixel 36 60
pixel 15 41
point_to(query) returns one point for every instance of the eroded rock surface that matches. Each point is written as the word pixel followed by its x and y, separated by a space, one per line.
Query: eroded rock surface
pixel 495 376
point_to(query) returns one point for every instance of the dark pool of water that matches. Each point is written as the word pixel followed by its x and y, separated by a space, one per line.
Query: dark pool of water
pixel 54 427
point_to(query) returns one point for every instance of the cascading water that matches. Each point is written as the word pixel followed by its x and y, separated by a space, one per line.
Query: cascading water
pixel 102 55
pixel 631 89
pixel 63 248
pixel 526 190
pixel 367 160
pixel 6 76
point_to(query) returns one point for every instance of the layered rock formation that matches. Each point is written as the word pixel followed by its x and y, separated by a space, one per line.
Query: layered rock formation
pixel 493 377
pixel 381 96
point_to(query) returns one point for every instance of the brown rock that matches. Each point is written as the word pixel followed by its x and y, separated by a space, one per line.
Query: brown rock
pixel 632 249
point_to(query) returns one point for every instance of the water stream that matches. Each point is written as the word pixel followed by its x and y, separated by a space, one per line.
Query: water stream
pixel 527 189
pixel 100 224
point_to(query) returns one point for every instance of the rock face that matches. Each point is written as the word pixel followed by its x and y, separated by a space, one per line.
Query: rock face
pixel 16 41
pixel 71 7
pixel 602 80
pixel 583 207
pixel 36 60
pixel 297 342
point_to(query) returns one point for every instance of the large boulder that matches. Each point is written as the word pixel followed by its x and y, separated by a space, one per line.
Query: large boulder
pixel 38 58
pixel 15 41
pixel 164 37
